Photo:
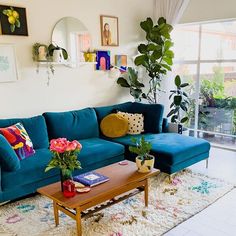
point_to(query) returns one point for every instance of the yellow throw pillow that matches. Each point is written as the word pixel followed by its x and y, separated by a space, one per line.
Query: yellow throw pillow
pixel 114 126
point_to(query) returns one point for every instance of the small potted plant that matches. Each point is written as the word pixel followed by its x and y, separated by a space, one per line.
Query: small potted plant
pixel 179 107
pixel 40 52
pixel 58 54
pixel 130 80
pixel 65 157
pixel 90 55
pixel 144 160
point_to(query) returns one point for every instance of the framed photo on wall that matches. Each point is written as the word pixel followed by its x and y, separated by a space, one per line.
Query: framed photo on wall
pixel 13 21
pixel 8 69
pixel 109 30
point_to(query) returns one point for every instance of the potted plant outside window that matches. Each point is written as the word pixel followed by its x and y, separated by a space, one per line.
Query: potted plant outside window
pixel 179 106
pixel 144 160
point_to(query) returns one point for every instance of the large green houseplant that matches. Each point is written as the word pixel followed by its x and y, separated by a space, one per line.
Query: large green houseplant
pixel 156 55
pixel 130 80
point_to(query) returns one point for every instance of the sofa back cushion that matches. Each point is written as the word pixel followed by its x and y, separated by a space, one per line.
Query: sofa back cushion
pixel 73 125
pixel 8 158
pixel 106 110
pixel 35 127
pixel 153 114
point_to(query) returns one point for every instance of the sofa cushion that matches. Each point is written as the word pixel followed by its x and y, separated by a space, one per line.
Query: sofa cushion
pixel 106 110
pixel 31 171
pixel 153 116
pixel 8 158
pixel 171 148
pixel 73 125
pixel 35 127
pixel 19 139
pixel 97 150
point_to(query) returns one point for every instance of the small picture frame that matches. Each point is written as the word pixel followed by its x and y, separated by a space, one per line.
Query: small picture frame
pixel 8 68
pixel 103 60
pixel 13 21
pixel 109 30
pixel 121 62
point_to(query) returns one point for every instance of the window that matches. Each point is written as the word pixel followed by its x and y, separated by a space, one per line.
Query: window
pixel 205 56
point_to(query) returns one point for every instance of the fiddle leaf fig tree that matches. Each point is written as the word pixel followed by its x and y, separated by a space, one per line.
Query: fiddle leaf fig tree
pixel 156 55
pixel 180 103
pixel 130 80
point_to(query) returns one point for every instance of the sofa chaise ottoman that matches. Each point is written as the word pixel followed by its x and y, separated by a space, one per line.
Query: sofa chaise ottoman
pixel 173 152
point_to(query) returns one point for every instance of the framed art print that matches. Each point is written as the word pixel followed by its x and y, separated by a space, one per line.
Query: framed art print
pixel 8 70
pixel 13 21
pixel 103 60
pixel 121 62
pixel 109 31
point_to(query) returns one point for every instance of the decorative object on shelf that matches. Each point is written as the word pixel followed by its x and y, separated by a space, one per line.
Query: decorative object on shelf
pixel 80 40
pixel 144 160
pixel 58 54
pixel 109 31
pixel 90 55
pixel 156 56
pixel 13 20
pixel 8 69
pixel 121 62
pixel 130 80
pixel 40 52
pixel 65 154
pixel 179 106
pixel 103 60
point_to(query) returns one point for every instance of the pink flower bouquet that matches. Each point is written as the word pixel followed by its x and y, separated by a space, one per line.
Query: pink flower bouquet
pixel 65 154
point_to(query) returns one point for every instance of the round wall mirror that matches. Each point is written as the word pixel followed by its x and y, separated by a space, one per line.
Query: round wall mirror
pixel 71 34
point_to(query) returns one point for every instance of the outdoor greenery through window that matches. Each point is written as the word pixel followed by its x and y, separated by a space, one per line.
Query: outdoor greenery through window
pixel 205 57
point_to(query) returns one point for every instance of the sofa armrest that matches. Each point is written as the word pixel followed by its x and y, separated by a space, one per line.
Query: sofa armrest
pixel 165 125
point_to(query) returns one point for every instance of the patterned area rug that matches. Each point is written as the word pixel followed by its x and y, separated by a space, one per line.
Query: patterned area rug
pixel 170 203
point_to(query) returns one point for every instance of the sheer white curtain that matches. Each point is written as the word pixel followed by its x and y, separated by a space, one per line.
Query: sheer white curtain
pixel 172 11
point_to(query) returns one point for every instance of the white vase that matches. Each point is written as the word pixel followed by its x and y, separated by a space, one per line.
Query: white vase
pixel 58 56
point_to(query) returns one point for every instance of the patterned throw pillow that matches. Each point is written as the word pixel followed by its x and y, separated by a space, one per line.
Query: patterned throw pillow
pixel 135 122
pixel 19 139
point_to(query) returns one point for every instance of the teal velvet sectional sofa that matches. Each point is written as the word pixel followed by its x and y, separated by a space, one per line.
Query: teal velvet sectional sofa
pixel 173 152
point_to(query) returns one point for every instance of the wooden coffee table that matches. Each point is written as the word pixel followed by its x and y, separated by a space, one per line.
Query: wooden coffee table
pixel 123 179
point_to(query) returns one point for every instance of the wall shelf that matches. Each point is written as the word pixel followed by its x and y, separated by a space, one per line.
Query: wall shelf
pixel 65 63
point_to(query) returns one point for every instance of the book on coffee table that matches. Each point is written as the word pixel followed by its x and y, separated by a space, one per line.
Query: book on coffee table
pixel 91 178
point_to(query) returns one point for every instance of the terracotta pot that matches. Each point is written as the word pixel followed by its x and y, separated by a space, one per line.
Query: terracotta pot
pixel 146 165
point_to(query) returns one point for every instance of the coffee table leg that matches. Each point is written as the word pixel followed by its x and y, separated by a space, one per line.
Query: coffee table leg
pixel 56 215
pixel 78 222
pixel 146 193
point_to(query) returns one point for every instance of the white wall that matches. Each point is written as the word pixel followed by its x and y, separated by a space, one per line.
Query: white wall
pixel 207 10
pixel 70 88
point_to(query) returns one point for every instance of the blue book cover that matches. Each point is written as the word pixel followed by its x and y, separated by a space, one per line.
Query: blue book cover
pixel 91 178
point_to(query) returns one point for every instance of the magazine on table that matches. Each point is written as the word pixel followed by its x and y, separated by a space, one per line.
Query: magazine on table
pixel 91 178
